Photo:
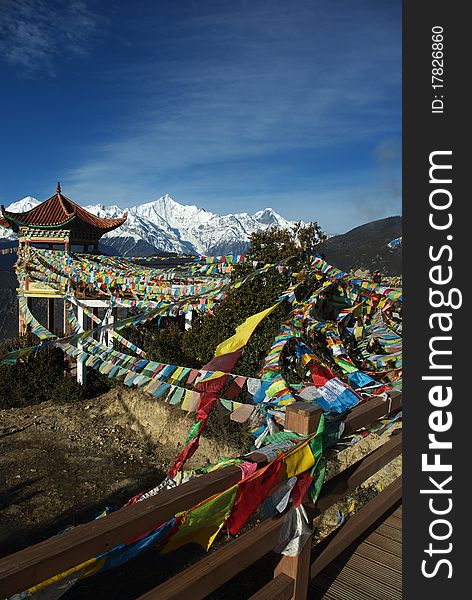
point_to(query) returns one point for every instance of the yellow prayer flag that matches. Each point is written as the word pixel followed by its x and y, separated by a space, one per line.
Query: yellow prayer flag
pixel 176 374
pixel 286 402
pixel 187 400
pixel 275 388
pixel 202 523
pixel 299 460
pixel 243 332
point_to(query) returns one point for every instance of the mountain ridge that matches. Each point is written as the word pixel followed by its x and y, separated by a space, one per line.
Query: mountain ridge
pixel 166 225
pixel 365 247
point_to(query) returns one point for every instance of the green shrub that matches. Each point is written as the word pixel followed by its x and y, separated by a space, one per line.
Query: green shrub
pixel 67 391
pixel 96 384
pixel 31 380
pixel 43 376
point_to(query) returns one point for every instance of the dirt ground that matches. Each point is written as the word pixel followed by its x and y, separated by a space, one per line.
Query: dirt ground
pixel 60 465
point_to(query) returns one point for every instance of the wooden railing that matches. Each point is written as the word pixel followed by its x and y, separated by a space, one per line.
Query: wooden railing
pixel 37 563
pixel 214 570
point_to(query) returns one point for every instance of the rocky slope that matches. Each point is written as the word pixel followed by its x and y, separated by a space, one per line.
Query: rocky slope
pixel 365 247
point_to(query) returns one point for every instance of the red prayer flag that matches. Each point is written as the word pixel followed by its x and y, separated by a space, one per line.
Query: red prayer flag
pixel 252 491
pixel 301 488
pixel 320 374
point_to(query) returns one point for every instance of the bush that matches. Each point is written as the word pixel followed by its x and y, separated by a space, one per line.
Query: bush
pixel 97 384
pixel 272 244
pixel 164 342
pixel 32 379
pixel 67 391
pixel 43 376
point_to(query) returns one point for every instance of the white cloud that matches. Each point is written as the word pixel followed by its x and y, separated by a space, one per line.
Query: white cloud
pixel 219 105
pixel 35 33
pixel 269 81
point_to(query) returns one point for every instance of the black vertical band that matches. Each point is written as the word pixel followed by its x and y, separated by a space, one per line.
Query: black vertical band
pixel 436 242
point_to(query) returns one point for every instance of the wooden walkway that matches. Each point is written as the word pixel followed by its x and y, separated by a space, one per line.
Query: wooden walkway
pixel 370 569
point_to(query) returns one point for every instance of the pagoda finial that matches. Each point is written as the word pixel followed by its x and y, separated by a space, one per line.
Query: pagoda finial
pixel 58 187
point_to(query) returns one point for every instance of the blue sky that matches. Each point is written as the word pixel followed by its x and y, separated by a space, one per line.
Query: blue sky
pixel 230 105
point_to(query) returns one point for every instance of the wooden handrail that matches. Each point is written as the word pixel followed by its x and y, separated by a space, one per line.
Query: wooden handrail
pixel 338 487
pixel 279 588
pixel 376 408
pixel 208 574
pixel 37 563
pixel 335 543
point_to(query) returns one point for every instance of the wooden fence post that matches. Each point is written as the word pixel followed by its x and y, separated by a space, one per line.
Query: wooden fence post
pixel 298 568
pixel 302 417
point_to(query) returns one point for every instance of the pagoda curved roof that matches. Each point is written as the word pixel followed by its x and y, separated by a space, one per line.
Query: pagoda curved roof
pixel 56 212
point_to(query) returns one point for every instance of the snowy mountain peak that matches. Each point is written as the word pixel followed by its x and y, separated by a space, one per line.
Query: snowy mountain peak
pixel 166 225
pixel 23 205
pixel 269 217
pixel 106 212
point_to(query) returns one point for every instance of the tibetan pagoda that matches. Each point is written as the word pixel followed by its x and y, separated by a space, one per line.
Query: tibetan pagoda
pixel 55 224
pixel 59 224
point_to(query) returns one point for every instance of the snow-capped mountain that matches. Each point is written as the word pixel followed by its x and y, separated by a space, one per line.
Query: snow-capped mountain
pixel 21 206
pixel 167 225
